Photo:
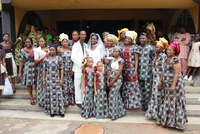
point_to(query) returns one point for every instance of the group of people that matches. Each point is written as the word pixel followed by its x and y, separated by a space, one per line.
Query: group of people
pixel 103 78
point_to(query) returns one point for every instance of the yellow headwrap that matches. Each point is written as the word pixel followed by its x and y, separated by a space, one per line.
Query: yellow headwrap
pixel 132 34
pixel 122 30
pixel 151 27
pixel 111 36
pixel 63 36
pixel 163 43
pixel 28 27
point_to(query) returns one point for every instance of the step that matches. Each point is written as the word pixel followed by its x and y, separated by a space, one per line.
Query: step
pixel 75 117
pixel 24 105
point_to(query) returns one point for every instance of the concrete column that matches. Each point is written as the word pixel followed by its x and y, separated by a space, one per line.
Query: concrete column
pixel 8 19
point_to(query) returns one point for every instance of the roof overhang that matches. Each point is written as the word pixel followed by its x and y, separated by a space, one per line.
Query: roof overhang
pixel 102 4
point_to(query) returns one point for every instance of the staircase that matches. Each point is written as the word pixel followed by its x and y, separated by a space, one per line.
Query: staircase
pixel 20 102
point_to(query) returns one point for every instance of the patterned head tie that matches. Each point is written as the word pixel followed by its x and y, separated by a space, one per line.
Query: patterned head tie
pixel 120 31
pixel 105 33
pixel 54 46
pixel 175 46
pixel 111 36
pixel 132 34
pixel 143 34
pixel 63 36
pixel 151 27
pixel 118 48
pixel 163 43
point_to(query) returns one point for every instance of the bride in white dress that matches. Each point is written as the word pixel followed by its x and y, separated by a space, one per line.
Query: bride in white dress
pixel 95 48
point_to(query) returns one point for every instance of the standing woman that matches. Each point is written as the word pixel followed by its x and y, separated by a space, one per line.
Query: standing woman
pixel 110 40
pixel 146 56
pixel 95 48
pixel 53 81
pixel 115 80
pixel 35 35
pixel 20 44
pixel 122 36
pixel 172 111
pixel 28 78
pixel 3 63
pixel 151 36
pixel 157 70
pixel 131 92
pixel 39 54
pixel 8 47
pixel 68 86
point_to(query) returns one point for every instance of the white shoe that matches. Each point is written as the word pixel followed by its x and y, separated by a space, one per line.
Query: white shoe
pixel 186 77
pixel 190 78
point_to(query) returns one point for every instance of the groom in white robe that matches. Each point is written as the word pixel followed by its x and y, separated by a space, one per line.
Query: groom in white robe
pixel 78 54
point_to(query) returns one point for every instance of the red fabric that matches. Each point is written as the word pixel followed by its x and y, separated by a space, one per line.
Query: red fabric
pixel 175 46
pixel 127 57
pixel 31 54
pixel 73 41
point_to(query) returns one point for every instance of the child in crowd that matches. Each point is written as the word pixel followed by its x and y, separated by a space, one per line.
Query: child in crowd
pixel 194 58
pixel 115 81
pixel 88 106
pixel 53 81
pixel 100 92
pixel 50 42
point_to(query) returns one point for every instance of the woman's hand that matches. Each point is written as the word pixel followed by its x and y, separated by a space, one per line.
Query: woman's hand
pixel 96 94
pixel 111 84
pixel 84 91
pixel 108 83
pixel 44 83
pixel 172 89
pixel 47 54
pixel 20 76
pixel 60 83
pixel 71 73
pixel 159 86
pixel 6 75
pixel 107 62
pixel 134 74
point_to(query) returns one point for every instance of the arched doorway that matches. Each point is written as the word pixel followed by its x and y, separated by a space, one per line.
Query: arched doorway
pixel 30 18
pixel 185 19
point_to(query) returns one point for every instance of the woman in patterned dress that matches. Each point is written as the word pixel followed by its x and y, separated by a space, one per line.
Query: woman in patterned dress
pixel 8 47
pixel 115 80
pixel 53 81
pixel 131 92
pixel 172 111
pixel 39 54
pixel 20 44
pixel 110 40
pixel 146 56
pixel 28 78
pixel 88 106
pixel 68 86
pixel 157 70
pixel 122 37
pixel 100 92
pixel 2 72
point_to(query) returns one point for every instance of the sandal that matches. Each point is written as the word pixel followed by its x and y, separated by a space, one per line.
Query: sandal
pixel 32 103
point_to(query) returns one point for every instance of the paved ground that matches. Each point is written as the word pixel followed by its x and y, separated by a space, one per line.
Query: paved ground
pixel 35 126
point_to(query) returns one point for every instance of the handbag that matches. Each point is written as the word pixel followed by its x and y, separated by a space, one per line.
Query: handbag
pixel 7 88
pixel 3 69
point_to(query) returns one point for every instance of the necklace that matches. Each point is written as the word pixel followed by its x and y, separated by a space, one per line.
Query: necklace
pixel 6 42
pixel 94 45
